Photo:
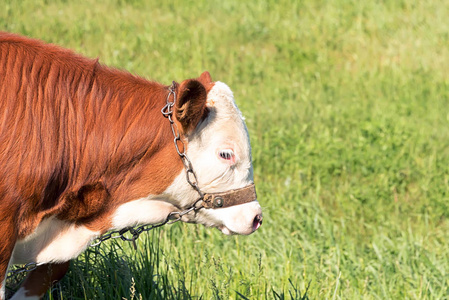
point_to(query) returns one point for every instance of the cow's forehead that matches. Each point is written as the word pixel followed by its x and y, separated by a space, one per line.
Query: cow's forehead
pixel 225 119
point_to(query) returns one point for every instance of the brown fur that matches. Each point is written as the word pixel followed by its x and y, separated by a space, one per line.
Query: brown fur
pixel 77 139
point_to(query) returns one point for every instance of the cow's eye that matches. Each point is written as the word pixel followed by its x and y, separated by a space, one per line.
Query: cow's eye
pixel 226 154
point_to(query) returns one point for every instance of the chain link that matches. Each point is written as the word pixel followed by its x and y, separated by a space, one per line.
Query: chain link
pixel 173 217
pixel 25 269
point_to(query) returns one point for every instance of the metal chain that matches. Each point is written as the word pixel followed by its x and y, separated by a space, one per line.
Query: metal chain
pixel 167 111
pixel 172 217
pixel 137 230
pixel 25 269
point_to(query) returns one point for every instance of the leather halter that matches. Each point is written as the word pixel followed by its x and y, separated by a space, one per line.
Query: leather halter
pixel 207 200
pixel 230 198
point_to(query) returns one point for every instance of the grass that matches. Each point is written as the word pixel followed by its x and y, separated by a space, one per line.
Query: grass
pixel 347 108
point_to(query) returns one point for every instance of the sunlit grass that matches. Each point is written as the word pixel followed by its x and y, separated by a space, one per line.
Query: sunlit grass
pixel 347 108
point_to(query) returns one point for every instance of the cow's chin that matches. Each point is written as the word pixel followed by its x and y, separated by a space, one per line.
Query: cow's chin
pixel 225 230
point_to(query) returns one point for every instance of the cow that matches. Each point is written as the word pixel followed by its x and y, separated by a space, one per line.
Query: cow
pixel 85 149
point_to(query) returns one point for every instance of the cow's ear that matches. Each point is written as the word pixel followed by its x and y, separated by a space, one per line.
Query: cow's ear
pixel 206 80
pixel 190 106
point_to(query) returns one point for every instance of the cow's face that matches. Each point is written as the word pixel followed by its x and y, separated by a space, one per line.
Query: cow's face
pixel 220 152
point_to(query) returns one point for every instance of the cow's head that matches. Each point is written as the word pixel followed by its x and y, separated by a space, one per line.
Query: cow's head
pixel 219 150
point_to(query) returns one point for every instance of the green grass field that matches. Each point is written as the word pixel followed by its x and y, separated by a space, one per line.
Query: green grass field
pixel 347 104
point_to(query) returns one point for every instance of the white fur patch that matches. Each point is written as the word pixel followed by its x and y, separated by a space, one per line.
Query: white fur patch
pixel 53 241
pixel 141 211
pixel 2 290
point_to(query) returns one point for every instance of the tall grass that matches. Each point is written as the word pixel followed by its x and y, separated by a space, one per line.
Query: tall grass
pixel 347 108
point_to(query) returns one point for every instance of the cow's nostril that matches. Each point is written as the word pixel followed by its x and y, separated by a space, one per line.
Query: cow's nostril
pixel 257 222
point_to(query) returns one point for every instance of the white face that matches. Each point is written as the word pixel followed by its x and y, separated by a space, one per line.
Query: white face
pixel 220 153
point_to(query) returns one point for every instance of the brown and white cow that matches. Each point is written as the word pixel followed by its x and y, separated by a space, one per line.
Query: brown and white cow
pixel 85 149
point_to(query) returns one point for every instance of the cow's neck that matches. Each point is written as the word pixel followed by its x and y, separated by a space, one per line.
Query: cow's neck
pixel 126 152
